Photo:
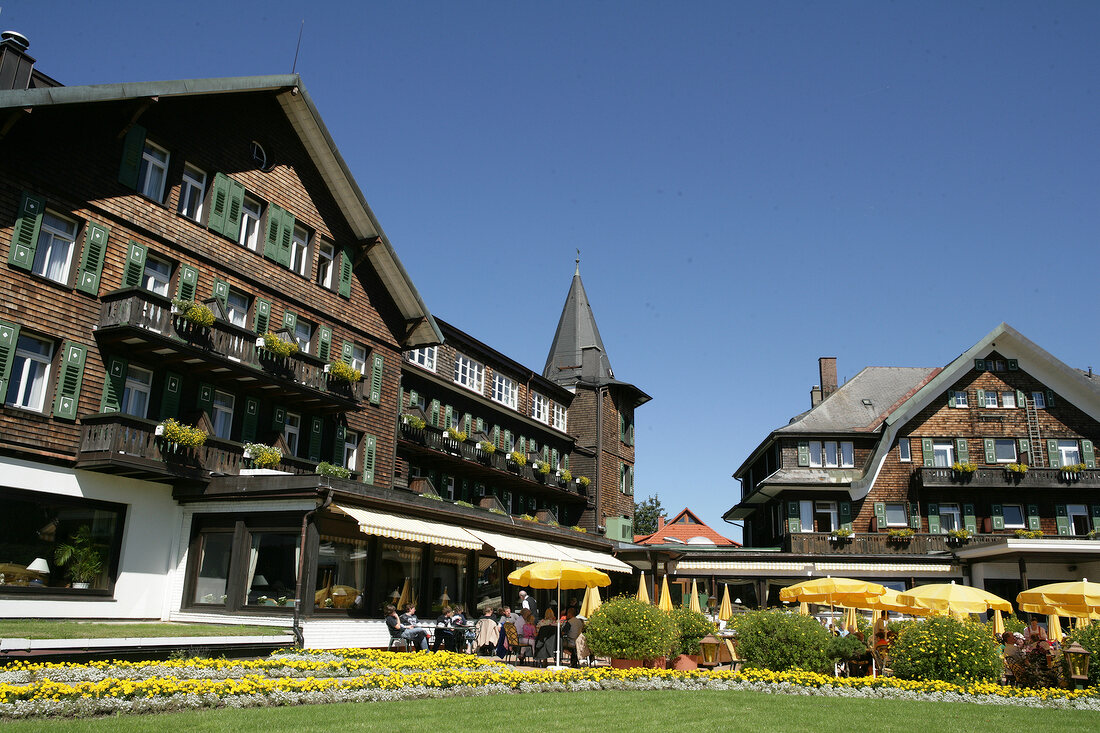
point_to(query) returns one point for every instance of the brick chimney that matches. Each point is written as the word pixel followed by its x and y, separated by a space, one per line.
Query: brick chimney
pixel 815 396
pixel 15 64
pixel 827 367
pixel 660 523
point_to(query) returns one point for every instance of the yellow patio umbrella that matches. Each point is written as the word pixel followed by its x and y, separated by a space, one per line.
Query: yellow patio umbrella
pixel 1054 628
pixel 831 591
pixel 726 609
pixel 953 598
pixel 406 596
pixel 558 574
pixel 1076 598
pixel 591 601
pixel 998 623
pixel 888 601
pixel 693 602
pixel 850 618
pixel 804 609
pixel 665 603
pixel 643 591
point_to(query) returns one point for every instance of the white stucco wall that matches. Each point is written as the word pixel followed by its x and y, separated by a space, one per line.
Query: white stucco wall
pixel 149 541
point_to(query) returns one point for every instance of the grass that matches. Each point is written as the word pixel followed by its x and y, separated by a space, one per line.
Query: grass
pixel 663 710
pixel 40 629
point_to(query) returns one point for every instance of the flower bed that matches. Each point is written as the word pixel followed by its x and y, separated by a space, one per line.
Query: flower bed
pixel 294 678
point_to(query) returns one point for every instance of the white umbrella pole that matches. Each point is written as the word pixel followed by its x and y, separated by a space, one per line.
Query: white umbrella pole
pixel 557 622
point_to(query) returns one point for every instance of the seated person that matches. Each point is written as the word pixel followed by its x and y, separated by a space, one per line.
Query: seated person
pixel 459 617
pixel 445 634
pixel 569 633
pixel 1035 632
pixel 488 633
pixel 527 629
pixel 400 630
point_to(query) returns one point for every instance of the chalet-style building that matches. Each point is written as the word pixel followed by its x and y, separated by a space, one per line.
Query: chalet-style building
pixel 981 471
pixel 159 264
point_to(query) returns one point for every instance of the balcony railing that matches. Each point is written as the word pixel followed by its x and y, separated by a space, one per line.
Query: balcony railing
pixel 123 444
pixel 228 345
pixel 880 543
pixel 1001 477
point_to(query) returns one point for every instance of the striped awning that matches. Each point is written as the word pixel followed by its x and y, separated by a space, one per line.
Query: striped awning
pixel 410 529
pixel 514 548
pixel 598 560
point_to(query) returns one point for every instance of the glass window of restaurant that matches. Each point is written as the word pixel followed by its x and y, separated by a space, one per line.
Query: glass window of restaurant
pixel 398 568
pixel 342 564
pixel 448 579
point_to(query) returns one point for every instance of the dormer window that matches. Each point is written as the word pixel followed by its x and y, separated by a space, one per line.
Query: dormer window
pixel 424 357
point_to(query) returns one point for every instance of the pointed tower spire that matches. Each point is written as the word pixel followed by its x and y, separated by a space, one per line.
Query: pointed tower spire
pixel 577 352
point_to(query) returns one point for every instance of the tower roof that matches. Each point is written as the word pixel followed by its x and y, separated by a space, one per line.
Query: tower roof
pixel 576 332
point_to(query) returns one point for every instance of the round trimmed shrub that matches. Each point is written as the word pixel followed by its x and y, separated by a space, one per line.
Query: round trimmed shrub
pixel 626 628
pixel 779 640
pixel 692 626
pixel 942 648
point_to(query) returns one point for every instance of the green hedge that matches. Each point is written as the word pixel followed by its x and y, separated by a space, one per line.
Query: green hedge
pixel 780 640
pixel 942 648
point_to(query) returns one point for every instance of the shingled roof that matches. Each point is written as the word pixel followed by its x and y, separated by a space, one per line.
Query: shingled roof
pixel 686 528
pixel 863 402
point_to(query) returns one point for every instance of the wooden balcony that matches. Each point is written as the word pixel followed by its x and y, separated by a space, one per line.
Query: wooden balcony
pixel 142 326
pixel 880 543
pixel 129 446
pixel 1002 478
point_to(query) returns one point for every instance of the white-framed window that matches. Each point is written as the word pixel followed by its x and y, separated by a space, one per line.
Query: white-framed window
pixel 961 399
pixel 1014 516
pixel 424 356
pixel 896 515
pixel 540 408
pixel 806 515
pixel 359 358
pixel 847 454
pixel 326 259
pixel 1078 515
pixel 557 417
pixel 943 453
pixel 250 224
pixel 303 332
pixel 192 189
pixel 950 518
pixel 905 453
pixel 815 454
pixel 469 373
pixel 1008 399
pixel 223 414
pixel 292 431
pixel 30 373
pixel 135 396
pixel 832 454
pixel 1068 452
pixel 236 308
pixel 157 275
pixel 1039 399
pixel 154 171
pixel 1005 450
pixel 299 251
pixel 54 252
pixel 825 513
pixel 999 365
pixel 504 390
pixel 351 449
pixel 990 398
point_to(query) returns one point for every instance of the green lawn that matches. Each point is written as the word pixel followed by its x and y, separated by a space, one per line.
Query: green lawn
pixel 21 628
pixel 662 710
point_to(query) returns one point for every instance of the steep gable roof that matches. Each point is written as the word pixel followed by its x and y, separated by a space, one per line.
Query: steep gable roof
pixel 421 329
pixel 687 529
pixel 863 402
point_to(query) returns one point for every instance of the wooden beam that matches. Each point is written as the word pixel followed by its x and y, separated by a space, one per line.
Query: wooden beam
pixel 145 104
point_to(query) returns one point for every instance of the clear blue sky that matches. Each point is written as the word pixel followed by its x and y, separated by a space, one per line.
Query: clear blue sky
pixel 751 185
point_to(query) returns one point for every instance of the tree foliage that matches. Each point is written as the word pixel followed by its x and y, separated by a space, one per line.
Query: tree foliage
pixel 646 513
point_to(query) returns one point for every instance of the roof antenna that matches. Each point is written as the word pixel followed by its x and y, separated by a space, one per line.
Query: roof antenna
pixel 578 271
pixel 300 29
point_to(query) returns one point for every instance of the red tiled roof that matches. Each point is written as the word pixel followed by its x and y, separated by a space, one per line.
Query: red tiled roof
pixel 675 531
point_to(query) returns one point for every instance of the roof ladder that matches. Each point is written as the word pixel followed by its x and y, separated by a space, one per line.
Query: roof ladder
pixel 1038 454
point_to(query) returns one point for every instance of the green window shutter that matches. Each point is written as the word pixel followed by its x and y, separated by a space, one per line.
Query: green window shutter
pixel 465 423
pixel 347 264
pixel 927 452
pixel 251 420
pixel 261 321
pixel 221 292
pixel 1061 519
pixel 447 417
pixel 1088 454
pixel 338 445
pixel 508 440
pixel 231 227
pixel 1050 399
pixel 1053 456
pixel 346 352
pixel 9 338
pixel 844 509
pixel 170 395
pixel 290 322
pixel 1095 510
pixel 135 265
pixel 979 365
pixel 412 398
pixel 496 436
pixel 630 480
pixel 465 490
pixel 996 513
pixel 278 419
pixel 963 450
pixel 272 233
pixel 914 516
pixel 369 446
pixel 990 450
pixel 219 204
pixel 622 428
pixel 479 425
pixel 187 286
pixel 880 514
pixel 286 236
pixel 554 458
pixel 24 237
pixel 91 261
pixel 1025 450
pixel 980 398
pixel 205 401
pixel 435 413
pixel 1013 365
pixel 1021 400
pixel 324 342
pixel 933 519
pixel 1033 516
pixel 132 148
pixel 951 398
pixel 68 383
pixel 401 398
pixel 970 521
pixel 630 434
pixel 523 445
pixel 378 364
pixel 565 462
pixel 316 428
pixel 794 518
pixel 114 384
pixel 803 453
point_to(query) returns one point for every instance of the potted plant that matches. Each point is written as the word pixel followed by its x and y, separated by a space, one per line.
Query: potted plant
pixel 517 458
pixel 577 528
pixel 630 632
pixel 459 436
pixel 324 468
pixel 413 421
pixel 959 535
pixel 584 482
pixel 487 447
pixel 81 556
pixel 692 626
pixel 1070 472
pixel 343 372
pixel 466 504
pixel 193 312
pixel 275 345
pixel 527 518
pixel 1029 534
pixel 900 535
pixel 175 433
pixel 840 535
pixel 1017 470
pixel 964 470
pixel 566 477
pixel 263 456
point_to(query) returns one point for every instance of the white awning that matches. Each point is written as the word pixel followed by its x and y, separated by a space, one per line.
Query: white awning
pixel 598 560
pixel 514 548
pixel 414 530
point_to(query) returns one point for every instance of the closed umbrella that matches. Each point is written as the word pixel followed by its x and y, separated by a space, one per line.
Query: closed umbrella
pixel 594 600
pixel 1054 627
pixel 406 596
pixel 831 591
pixel 804 609
pixel 850 619
pixel 665 603
pixel 693 603
pixel 998 623
pixel 725 611
pixel 558 574
pixel 953 598
pixel 643 591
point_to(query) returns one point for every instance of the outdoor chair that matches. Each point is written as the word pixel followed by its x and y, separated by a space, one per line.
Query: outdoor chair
pixel 514 647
